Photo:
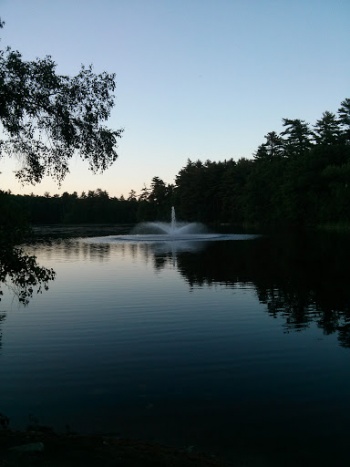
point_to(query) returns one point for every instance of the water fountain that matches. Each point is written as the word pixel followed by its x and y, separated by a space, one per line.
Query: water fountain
pixel 172 230
pixel 172 236
pixel 173 219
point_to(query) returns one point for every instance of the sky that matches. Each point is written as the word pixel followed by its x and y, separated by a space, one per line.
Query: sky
pixel 196 79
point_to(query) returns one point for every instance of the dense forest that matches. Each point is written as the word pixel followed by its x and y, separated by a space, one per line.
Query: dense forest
pixel 299 177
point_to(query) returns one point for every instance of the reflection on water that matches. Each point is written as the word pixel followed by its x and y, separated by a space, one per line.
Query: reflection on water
pixel 189 346
pixel 2 317
pixel 302 279
pixel 22 274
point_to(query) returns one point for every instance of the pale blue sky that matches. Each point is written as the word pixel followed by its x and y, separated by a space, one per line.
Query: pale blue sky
pixel 198 79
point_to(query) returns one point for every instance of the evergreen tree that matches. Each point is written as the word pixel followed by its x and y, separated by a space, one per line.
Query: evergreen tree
pixel 273 147
pixel 296 137
pixel 327 130
pixel 344 118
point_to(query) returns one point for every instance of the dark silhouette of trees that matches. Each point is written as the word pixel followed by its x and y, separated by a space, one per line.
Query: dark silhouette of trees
pixel 272 148
pixel 18 271
pixel 302 279
pixel 344 119
pixel 198 190
pixel 161 199
pixel 296 138
pixel 47 117
pixel 296 179
pixel 327 131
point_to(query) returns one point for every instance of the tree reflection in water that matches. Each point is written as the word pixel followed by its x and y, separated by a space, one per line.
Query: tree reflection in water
pixel 21 274
pixel 303 278
pixel 2 317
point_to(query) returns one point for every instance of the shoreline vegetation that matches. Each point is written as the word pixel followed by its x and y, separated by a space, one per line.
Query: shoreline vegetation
pixel 299 178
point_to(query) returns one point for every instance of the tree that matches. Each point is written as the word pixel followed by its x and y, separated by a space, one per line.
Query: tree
pixel 46 117
pixel 327 130
pixel 144 195
pixel 298 137
pixel 273 147
pixel 160 198
pixel 158 191
pixel 132 196
pixel 261 153
pixel 190 190
pixel 344 118
pixel 234 182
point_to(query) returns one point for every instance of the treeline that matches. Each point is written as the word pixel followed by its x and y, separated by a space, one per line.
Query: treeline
pixel 299 177
pixel 95 206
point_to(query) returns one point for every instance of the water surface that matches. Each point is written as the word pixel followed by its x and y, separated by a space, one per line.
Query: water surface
pixel 237 346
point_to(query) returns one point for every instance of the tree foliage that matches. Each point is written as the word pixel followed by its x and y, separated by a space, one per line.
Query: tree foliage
pixel 47 117
pixel 18 271
pixel 298 178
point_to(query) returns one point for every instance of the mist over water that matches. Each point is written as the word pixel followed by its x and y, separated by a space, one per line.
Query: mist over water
pixel 174 236
pixel 173 228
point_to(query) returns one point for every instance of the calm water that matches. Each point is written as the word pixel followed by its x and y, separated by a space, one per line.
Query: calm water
pixel 239 347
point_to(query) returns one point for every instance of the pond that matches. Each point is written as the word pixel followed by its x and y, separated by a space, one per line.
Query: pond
pixel 239 347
